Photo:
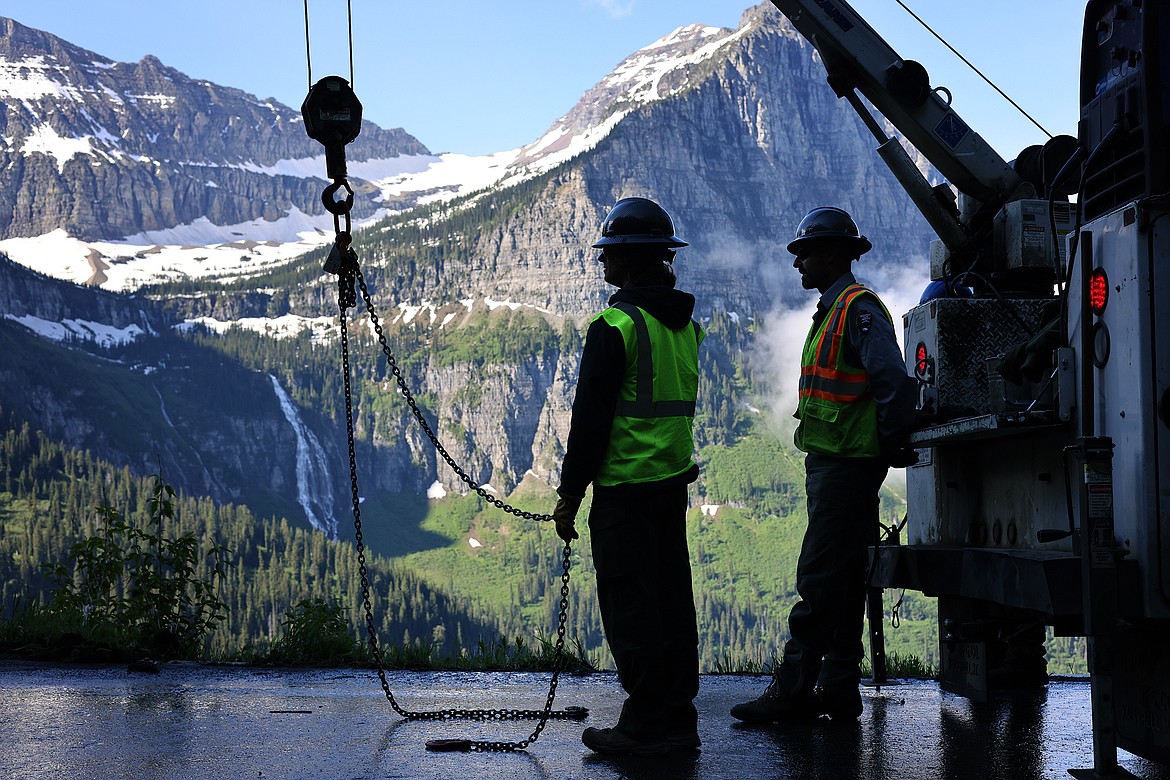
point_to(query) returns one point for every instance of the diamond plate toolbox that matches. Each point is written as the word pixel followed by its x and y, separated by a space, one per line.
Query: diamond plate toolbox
pixel 960 336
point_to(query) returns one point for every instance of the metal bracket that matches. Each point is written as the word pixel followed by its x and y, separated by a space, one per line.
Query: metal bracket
pixel 1066 382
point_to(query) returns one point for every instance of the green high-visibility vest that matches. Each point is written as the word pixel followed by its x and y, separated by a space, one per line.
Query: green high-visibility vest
pixel 652 438
pixel 837 413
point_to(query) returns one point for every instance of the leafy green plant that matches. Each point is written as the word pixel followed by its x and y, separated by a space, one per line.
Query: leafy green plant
pixel 315 633
pixel 125 591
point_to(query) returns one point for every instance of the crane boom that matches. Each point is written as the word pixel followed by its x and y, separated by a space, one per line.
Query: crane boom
pixel 860 60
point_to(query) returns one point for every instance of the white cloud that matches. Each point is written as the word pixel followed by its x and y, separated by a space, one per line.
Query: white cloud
pixel 777 360
pixel 781 340
pixel 618 9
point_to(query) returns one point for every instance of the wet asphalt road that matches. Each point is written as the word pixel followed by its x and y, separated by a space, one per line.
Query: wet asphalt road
pixel 192 721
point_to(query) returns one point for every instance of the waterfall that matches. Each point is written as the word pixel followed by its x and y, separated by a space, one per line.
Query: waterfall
pixel 314 486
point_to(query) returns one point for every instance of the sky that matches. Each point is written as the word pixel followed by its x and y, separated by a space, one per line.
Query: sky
pixel 481 77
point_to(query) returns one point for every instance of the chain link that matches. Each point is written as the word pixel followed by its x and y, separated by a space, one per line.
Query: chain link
pixel 346 297
pixel 896 611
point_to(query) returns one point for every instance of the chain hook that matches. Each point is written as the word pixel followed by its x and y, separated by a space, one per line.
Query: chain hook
pixel 338 207
pixel 332 203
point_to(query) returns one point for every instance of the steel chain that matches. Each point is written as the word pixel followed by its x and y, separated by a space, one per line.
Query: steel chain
pixel 418 415
pixel 896 611
pixel 347 298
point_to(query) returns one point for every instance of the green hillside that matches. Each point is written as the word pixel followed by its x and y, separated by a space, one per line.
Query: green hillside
pixel 453 571
pixel 448 591
pixel 48 501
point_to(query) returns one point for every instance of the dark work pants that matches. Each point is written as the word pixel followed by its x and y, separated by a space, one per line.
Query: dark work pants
pixel 647 607
pixel 826 623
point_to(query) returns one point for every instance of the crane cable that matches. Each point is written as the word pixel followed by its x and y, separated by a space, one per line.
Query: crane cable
pixel 968 63
pixel 343 262
pixel 308 51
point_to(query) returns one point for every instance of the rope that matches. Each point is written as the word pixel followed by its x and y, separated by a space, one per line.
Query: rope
pixel 349 21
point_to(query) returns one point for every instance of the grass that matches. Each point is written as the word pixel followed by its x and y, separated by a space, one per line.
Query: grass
pixel 898 666
pixel 314 636
pixel 907 667
pixel 40 634
pixel 497 656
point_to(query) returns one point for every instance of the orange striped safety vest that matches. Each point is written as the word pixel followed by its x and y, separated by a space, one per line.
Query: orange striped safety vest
pixel 837 413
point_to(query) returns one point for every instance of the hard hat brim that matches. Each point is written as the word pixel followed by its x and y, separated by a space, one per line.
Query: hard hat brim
pixel 672 242
pixel 860 244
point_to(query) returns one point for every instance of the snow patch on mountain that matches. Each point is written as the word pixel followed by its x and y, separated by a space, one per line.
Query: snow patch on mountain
pixel 45 140
pixel 71 330
pixel 286 326
pixel 202 250
pixel 197 251
pixel 445 177
pixel 324 329
pixel 640 75
pixel 28 79
pixel 637 81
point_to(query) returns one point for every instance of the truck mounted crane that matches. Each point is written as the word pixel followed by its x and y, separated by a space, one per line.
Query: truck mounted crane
pixel 1042 491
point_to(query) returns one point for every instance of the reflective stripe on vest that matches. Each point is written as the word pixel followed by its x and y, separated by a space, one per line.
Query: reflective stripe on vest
pixel 652 440
pixel 643 403
pixel 825 374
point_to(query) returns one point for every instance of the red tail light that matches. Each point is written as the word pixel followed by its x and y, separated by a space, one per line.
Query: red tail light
pixel 1098 291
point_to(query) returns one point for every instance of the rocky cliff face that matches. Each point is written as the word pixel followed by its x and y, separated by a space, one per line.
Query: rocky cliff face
pixel 737 144
pixel 735 132
pixel 104 149
pixel 23 293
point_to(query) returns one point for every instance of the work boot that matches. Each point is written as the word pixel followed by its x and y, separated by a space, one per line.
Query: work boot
pixel 612 742
pixel 789 697
pixel 839 702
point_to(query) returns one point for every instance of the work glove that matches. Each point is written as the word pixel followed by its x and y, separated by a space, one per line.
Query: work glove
pixel 899 456
pixel 565 517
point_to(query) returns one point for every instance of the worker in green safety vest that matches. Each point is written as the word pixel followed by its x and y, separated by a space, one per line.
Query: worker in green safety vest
pixel 856 406
pixel 631 438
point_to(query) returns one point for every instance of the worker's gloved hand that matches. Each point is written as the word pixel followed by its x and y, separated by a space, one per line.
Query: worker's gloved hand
pixel 565 517
pixel 899 457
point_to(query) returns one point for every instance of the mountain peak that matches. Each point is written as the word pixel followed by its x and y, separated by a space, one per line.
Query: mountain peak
pixel 658 71
pixel 643 77
pixel 684 35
